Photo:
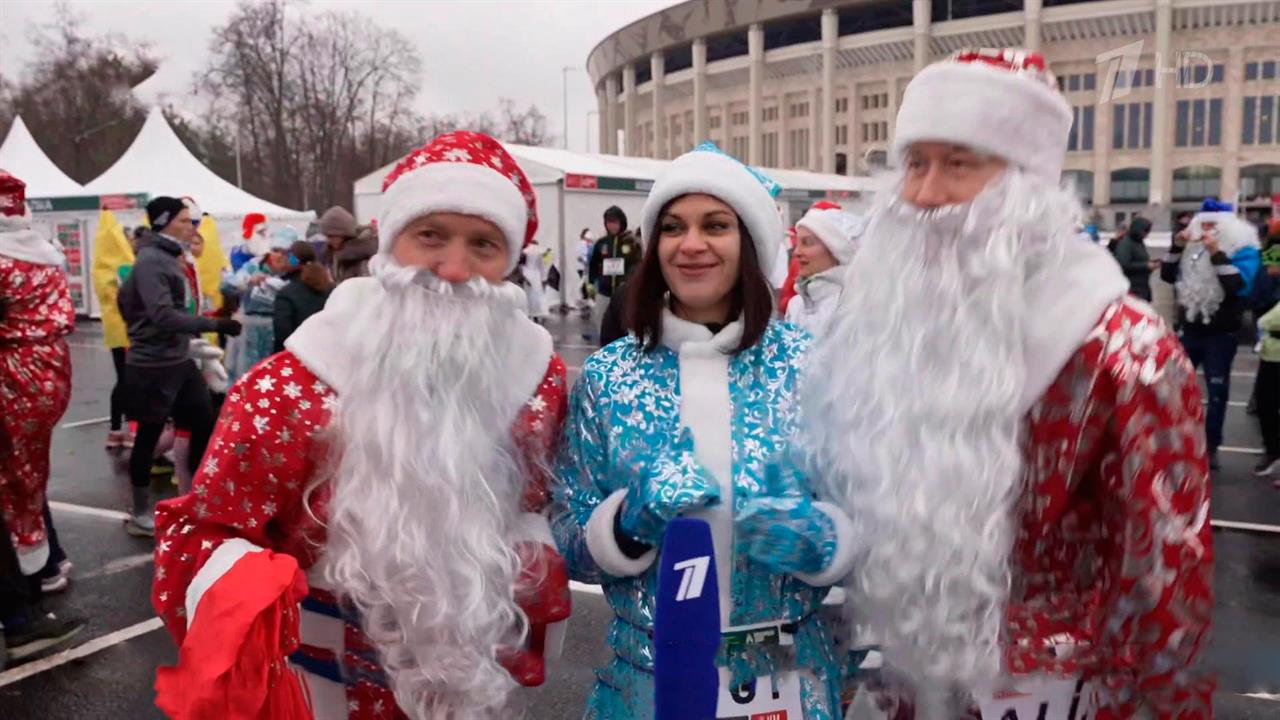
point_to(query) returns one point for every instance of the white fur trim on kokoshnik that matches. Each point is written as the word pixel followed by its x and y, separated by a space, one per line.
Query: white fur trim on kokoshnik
pixel 458 187
pixel 991 109
pixel 728 180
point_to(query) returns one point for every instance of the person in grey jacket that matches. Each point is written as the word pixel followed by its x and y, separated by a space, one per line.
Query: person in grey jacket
pixel 162 380
pixel 1130 251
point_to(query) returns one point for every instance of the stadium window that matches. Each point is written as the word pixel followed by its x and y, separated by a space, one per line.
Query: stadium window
pixel 727 45
pixel 1090 82
pixel 1250 120
pixel 1215 122
pixel 1135 125
pixel 1123 80
pixel 1200 74
pixel 1219 73
pixel 1196 182
pixel 1269 70
pixel 678 58
pixel 1146 124
pixel 1197 123
pixel 1266 120
pixel 1182 124
pixel 1073 83
pixel 795 31
pixel 1086 128
pixel 1130 185
pixel 1251 71
pixel 884 130
pixel 1117 128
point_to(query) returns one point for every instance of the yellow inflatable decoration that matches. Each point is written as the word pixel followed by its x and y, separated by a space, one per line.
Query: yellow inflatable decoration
pixel 111 251
pixel 211 264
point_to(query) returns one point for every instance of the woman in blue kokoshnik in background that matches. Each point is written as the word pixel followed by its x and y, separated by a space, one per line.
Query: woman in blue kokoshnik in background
pixel 693 414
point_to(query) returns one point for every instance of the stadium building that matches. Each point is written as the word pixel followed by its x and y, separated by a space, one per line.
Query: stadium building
pixel 1174 100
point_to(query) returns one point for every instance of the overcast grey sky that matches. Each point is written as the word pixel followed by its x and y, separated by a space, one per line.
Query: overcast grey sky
pixel 473 51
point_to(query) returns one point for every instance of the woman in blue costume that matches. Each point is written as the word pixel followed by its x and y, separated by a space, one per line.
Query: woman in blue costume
pixel 693 414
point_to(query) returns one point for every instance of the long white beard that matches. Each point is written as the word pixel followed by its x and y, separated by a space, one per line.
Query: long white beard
pixel 912 404
pixel 1199 291
pixel 426 488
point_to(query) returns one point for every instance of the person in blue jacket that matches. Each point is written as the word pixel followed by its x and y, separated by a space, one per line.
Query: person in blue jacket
pixel 1213 264
pixel 694 414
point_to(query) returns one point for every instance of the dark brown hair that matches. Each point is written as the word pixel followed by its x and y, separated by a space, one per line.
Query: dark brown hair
pixel 303 251
pixel 647 291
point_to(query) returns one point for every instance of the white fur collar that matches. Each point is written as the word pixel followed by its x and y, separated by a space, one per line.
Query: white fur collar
pixel 822 285
pixel 326 343
pixel 1064 302
pixel 28 245
pixel 683 336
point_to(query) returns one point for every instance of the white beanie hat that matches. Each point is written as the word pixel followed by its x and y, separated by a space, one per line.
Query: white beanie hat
pixel 1004 102
pixel 837 229
pixel 464 172
pixel 707 170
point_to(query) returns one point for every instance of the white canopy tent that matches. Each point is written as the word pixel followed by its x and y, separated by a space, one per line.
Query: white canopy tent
pixel 23 158
pixel 574 189
pixel 157 163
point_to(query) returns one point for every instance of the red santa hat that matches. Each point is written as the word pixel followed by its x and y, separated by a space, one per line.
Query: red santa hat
pixel 999 101
pixel 251 223
pixel 463 172
pixel 13 203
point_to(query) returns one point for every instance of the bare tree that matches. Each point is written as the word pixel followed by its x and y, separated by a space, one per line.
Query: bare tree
pixel 75 96
pixel 319 98
pixel 523 127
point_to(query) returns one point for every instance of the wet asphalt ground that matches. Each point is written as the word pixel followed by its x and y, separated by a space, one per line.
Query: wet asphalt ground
pixel 109 671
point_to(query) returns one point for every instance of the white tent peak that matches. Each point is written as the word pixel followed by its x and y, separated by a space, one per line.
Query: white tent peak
pixel 23 158
pixel 157 163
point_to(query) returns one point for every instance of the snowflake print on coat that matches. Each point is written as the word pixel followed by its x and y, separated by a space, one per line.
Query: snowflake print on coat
pixel 1113 566
pixel 35 387
pixel 270 446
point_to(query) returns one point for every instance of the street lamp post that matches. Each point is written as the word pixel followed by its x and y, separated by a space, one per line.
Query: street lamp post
pixel 587 134
pixel 564 76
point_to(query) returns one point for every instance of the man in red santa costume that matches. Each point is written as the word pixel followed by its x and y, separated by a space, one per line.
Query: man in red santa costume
pixel 1019 443
pixel 386 472
pixel 36 315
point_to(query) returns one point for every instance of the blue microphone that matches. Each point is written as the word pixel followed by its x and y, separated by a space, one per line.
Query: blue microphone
pixel 686 625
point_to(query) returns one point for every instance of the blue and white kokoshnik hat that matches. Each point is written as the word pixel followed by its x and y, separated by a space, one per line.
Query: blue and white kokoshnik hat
pixel 708 170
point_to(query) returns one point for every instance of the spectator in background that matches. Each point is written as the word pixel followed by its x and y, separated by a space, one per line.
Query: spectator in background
pixel 162 379
pixel 1212 264
pixel 36 315
pixel 613 258
pixel 347 248
pixel 826 240
pixel 113 250
pixel 258 282
pixel 1130 251
pixel 307 287
pixel 1266 389
pixel 253 230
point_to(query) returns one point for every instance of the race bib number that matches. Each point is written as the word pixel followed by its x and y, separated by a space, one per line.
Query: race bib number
pixel 761 699
pixel 1039 698
pixel 615 267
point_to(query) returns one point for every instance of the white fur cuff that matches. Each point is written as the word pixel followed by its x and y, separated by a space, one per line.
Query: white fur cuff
pixel 219 563
pixel 842 562
pixel 604 548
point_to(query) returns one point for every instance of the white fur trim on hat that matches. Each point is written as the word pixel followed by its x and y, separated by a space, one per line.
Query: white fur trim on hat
pixel 837 229
pixel 726 179
pixel 989 109
pixel 457 187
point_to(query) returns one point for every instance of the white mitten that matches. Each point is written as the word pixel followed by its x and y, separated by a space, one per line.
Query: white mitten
pixel 215 375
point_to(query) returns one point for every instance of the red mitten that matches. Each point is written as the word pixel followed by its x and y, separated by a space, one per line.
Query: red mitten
pixel 232 661
pixel 542 589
